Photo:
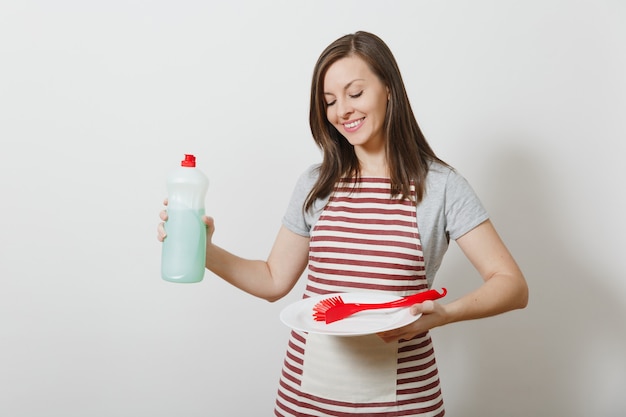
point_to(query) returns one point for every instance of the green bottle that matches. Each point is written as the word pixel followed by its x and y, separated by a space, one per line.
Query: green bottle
pixel 184 248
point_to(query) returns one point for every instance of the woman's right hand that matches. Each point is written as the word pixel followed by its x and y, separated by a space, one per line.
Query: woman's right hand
pixel 210 228
pixel 162 234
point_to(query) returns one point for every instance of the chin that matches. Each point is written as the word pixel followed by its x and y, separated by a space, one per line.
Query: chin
pixel 355 141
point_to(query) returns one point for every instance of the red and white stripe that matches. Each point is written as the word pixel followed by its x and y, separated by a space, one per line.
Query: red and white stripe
pixel 366 241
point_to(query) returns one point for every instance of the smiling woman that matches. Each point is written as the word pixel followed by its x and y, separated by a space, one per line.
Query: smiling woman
pixel 357 107
pixel 375 216
pixel 361 65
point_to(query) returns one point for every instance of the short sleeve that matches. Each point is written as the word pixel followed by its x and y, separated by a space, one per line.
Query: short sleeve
pixel 463 209
pixel 449 210
pixel 295 218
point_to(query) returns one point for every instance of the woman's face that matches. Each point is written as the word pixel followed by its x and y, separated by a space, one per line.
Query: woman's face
pixel 356 102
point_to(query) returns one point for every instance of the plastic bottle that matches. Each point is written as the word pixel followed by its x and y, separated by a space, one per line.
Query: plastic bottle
pixel 184 248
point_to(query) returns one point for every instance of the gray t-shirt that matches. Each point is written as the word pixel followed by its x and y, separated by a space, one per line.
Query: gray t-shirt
pixel 450 208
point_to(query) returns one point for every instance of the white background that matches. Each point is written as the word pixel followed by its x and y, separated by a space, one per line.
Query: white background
pixel 100 99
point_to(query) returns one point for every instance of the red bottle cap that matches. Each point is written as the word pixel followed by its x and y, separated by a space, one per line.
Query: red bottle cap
pixel 189 161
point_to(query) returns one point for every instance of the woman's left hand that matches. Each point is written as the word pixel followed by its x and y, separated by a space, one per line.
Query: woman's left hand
pixel 433 315
pixel 503 289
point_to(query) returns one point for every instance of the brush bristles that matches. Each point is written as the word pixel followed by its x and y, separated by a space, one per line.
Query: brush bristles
pixel 320 309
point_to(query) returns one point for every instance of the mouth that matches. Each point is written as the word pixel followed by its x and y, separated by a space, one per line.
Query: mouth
pixel 353 125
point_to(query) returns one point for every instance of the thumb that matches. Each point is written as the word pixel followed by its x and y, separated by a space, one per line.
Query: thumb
pixel 210 226
pixel 423 308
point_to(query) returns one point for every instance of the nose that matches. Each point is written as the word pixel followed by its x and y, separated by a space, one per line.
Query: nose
pixel 344 109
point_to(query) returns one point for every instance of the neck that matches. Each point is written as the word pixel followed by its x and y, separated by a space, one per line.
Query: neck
pixel 373 169
pixel 372 161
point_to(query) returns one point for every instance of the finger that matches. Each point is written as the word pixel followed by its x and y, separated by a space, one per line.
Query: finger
pixel 426 307
pixel 161 234
pixel 210 223
pixel 165 201
pixel 386 338
pixel 163 215
pixel 389 337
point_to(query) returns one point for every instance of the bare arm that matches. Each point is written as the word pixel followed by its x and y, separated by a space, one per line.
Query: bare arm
pixel 504 287
pixel 271 279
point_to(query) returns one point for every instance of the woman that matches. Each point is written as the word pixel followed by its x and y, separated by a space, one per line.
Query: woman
pixel 376 215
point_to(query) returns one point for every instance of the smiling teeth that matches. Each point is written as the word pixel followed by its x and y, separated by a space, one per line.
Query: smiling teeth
pixel 353 124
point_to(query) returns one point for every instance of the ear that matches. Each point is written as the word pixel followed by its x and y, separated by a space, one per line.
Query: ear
pixel 388 93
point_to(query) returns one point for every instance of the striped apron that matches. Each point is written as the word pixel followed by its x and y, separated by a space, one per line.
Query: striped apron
pixel 364 240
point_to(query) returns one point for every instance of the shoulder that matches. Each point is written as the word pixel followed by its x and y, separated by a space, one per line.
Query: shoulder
pixel 295 218
pixel 438 177
pixel 309 176
pixel 437 170
pixel 444 178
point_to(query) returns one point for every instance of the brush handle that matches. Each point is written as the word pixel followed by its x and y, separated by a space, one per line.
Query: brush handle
pixel 333 309
pixel 408 300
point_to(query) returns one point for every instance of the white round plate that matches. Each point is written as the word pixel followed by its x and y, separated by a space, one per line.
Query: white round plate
pixel 299 316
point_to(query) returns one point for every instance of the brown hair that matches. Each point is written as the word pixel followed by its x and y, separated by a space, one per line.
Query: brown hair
pixel 408 152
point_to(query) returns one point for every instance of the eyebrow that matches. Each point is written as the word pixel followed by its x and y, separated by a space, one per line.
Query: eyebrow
pixel 346 86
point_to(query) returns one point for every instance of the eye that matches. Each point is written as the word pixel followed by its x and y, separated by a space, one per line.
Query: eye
pixel 357 95
pixel 330 103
